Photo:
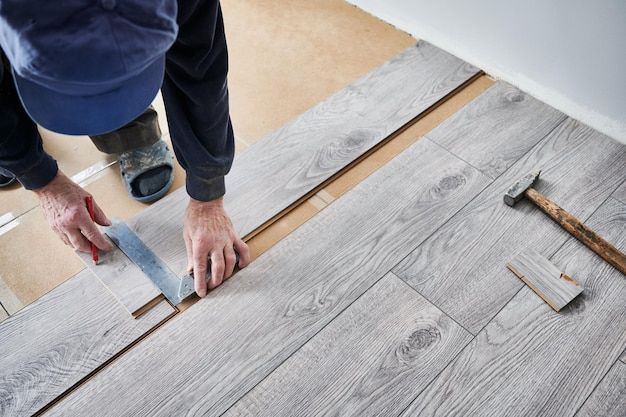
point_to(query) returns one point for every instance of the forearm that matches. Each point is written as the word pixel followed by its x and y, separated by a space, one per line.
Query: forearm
pixel 21 150
pixel 196 99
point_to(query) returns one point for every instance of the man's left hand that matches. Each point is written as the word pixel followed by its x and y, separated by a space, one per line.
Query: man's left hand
pixel 208 232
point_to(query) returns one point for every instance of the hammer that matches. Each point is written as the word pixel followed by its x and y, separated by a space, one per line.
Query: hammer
pixel 523 188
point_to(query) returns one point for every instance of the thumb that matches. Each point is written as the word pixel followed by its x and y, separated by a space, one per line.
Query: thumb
pixel 99 216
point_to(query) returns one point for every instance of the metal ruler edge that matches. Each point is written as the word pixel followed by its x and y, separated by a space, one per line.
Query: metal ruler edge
pixel 151 265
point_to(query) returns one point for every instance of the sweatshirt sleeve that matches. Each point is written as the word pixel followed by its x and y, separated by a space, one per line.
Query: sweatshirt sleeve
pixel 21 149
pixel 195 93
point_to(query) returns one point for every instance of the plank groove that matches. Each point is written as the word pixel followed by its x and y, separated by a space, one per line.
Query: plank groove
pixel 580 169
pixel 369 361
pixel 620 193
pixel 497 128
pixel 52 344
pixel 532 361
pixel 609 397
pixel 556 288
pixel 252 323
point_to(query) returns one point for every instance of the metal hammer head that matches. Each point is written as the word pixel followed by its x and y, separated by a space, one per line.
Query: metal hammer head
pixel 518 190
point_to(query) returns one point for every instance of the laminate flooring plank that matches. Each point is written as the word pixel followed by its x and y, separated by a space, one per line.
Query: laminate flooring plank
pixel 555 287
pixel 371 360
pixel 52 344
pixel 287 164
pixel 580 169
pixel 620 193
pixel 3 313
pixel 201 362
pixel 494 130
pixel 623 357
pixel 531 361
pixel 128 284
pixel 609 397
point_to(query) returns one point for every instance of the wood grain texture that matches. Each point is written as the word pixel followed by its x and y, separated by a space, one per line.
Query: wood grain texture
pixel 287 164
pixel 580 169
pixel 531 361
pixel 128 284
pixel 555 287
pixel 372 360
pixel 620 193
pixel 609 397
pixel 225 344
pixel 63 337
pixel 497 128
pixel 623 357
pixel 579 230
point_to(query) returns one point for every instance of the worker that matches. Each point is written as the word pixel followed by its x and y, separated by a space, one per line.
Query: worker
pixel 92 68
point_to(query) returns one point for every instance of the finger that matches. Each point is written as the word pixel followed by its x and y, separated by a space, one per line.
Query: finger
pixel 189 250
pixel 217 267
pixel 99 216
pixel 229 261
pixel 93 234
pixel 62 235
pixel 243 251
pixel 200 255
pixel 65 239
pixel 79 242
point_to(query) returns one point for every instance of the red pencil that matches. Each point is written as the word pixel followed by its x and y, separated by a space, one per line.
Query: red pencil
pixel 94 249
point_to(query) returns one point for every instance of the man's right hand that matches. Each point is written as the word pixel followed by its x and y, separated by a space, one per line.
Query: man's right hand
pixel 63 205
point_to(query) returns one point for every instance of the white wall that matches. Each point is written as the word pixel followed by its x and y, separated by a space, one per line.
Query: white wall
pixel 570 54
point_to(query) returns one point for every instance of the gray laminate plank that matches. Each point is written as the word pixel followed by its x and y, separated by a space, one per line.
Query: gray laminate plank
pixel 494 130
pixel 620 193
pixel 128 284
pixel 371 360
pixel 623 357
pixel 284 166
pixel 580 169
pixel 52 344
pixel 203 361
pixel 555 287
pixel 609 397
pixel 532 361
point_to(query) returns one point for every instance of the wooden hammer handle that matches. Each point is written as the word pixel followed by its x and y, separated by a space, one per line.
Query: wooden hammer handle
pixel 577 229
